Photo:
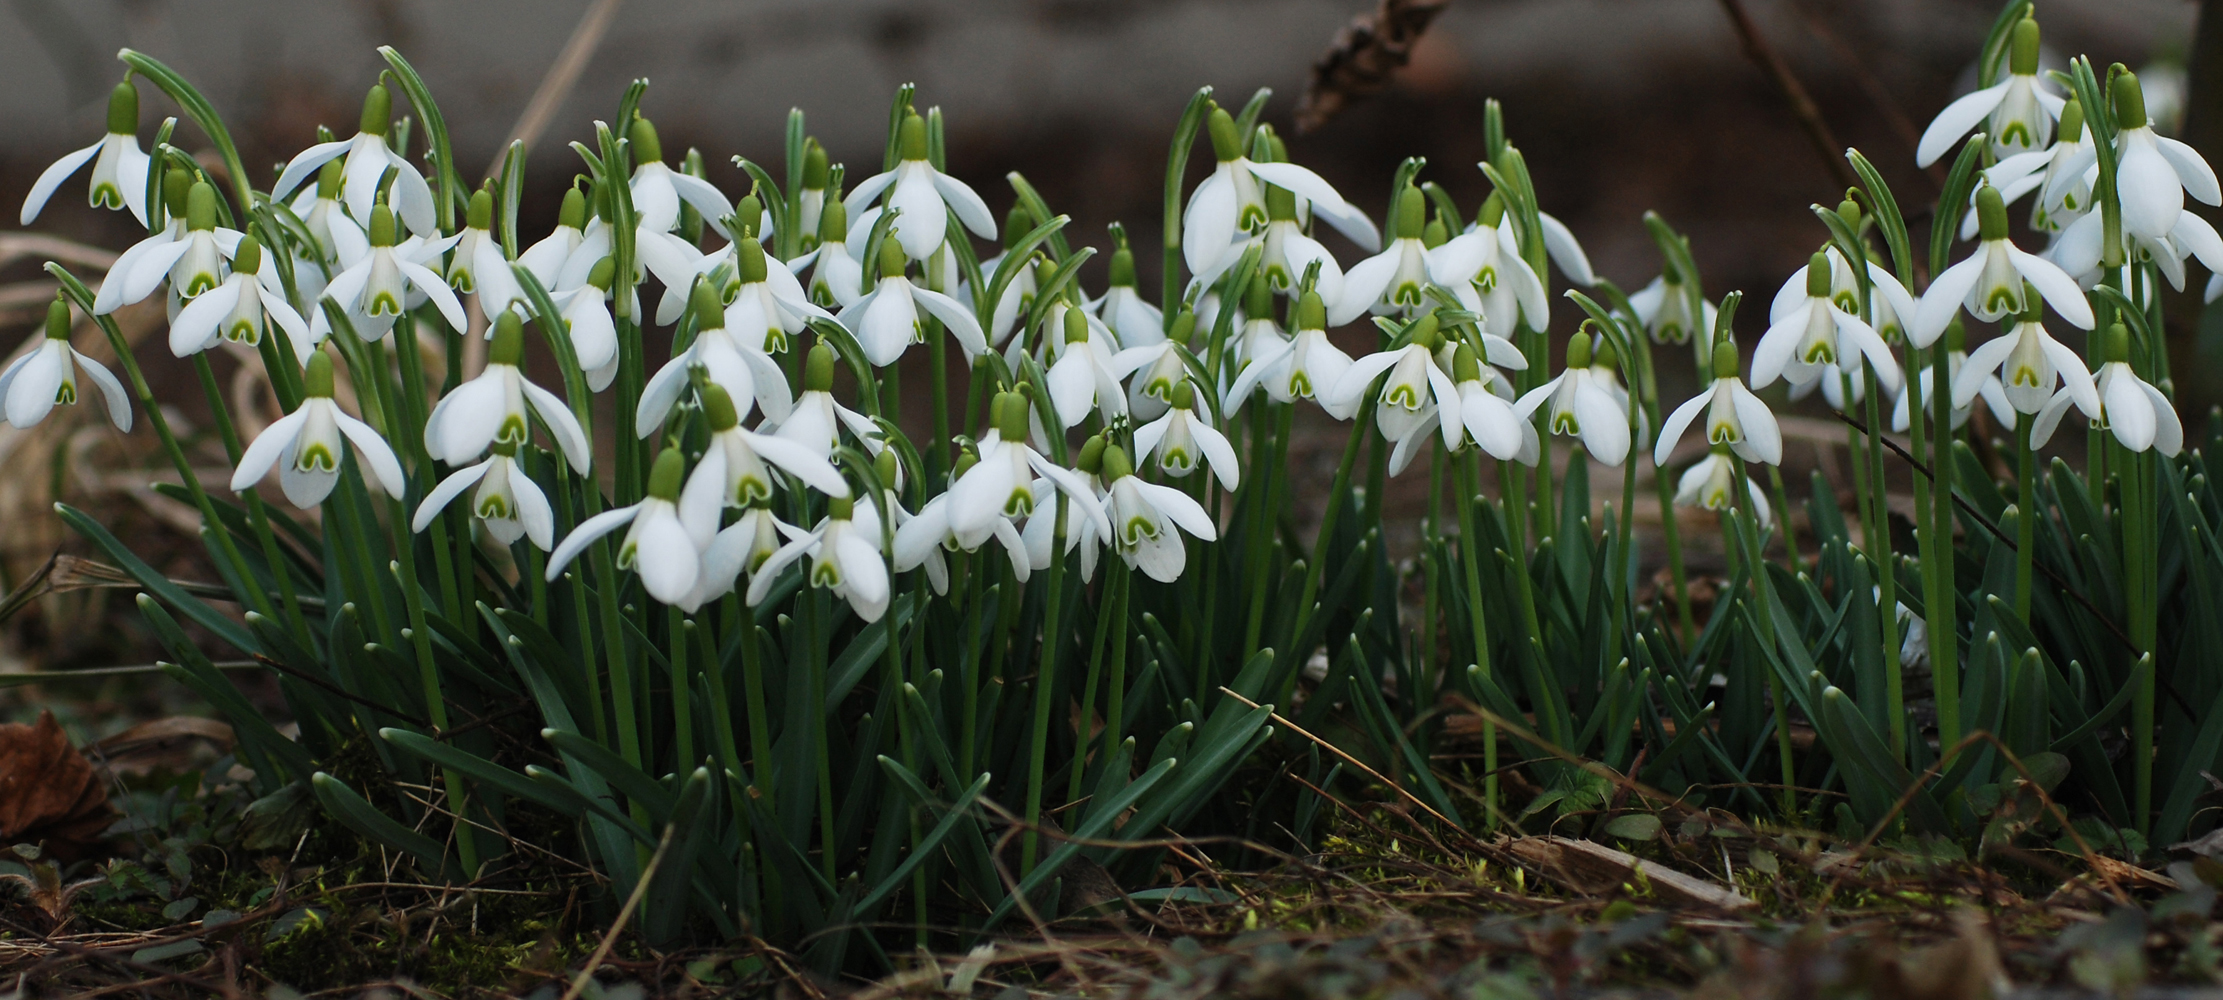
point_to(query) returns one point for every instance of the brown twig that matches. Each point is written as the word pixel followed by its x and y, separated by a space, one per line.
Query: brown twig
pixel 625 913
pixel 1794 93
pixel 562 74
pixel 1359 63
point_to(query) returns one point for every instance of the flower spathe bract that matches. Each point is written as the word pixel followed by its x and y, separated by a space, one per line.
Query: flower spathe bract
pixel 308 445
pixel 119 177
pixel 47 375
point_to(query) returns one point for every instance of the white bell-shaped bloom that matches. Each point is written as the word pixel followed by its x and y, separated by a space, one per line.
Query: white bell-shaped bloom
pixel 1232 201
pixel 736 466
pixel 2078 250
pixel 251 298
pixel 546 258
pixel 739 549
pixel 1584 404
pixel 368 159
pixel 340 239
pixel 1889 304
pixel 307 446
pixel 1843 387
pixel 2026 365
pixel 2060 177
pixel 736 364
pixel 845 557
pixel 1183 440
pixel 504 500
pixel 765 305
pixel 1995 281
pixel 1001 483
pixel 2019 109
pixel 1485 415
pixel 927 535
pixel 1665 309
pixel 1134 322
pixel 493 408
pixel 119 166
pixel 1286 253
pixel 2136 413
pixel 925 197
pixel 658 190
pixel 1156 369
pixel 1735 417
pixel 1817 331
pixel 47 375
pixel 586 313
pixel 1308 366
pixel 1082 380
pixel 1395 279
pixel 888 319
pixel 1484 267
pixel 1709 485
pixel 2153 172
pixel 837 278
pixel 662 543
pixel 478 266
pixel 376 290
pixel 1083 545
pixel 1416 385
pixel 817 420
pixel 1144 516
pixel 192 260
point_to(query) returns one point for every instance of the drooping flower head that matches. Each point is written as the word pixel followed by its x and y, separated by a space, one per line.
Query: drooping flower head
pixel 308 445
pixel 47 376
pixel 2018 109
pixel 1817 331
pixel 1735 417
pixel 1996 281
pixel 924 195
pixel 250 299
pixel 2135 412
pixel 660 544
pixel 119 172
pixel 1232 201
pixel 1583 404
pixel 368 160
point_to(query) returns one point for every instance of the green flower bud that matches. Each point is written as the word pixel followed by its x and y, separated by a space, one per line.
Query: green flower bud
pixel 2033 307
pixel 1956 334
pixel 1091 459
pixel 57 319
pixel 1011 416
pixel 647 148
pixel 316 376
pixel 818 368
pixel 1818 275
pixel 2022 59
pixel 833 222
pixel 1412 210
pixel 717 408
pixel 378 111
pixel 1281 204
pixel 1116 465
pixel 816 174
pixel 1605 356
pixel 1258 298
pixel 602 273
pixel 1434 234
pixel 381 224
pixel 1227 143
pixel 1123 268
pixel 1044 270
pixel 1183 328
pixel 481 213
pixel 709 306
pixel 329 177
pixel 749 262
pixel 965 461
pixel 910 138
pixel 1076 326
pixel 1184 396
pixel 508 347
pixel 574 212
pixel 1427 332
pixel 1312 312
pixel 884 465
pixel 1849 210
pixel 841 508
pixel 123 109
pixel 1493 211
pixel 1465 367
pixel 248 258
pixel 2117 345
pixel 1578 351
pixel 892 260
pixel 1281 149
pixel 175 184
pixel 603 209
pixel 667 475
pixel 1991 214
pixel 749 212
pixel 2130 101
pixel 200 207
pixel 2072 119
pixel 1016 225
pixel 1725 360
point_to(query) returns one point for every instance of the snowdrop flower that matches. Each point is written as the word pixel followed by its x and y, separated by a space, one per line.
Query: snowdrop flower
pixel 2138 414
pixel 176 185
pixel 1183 440
pixel 2154 172
pixel 506 502
pixel 1735 418
pixel 1144 516
pixel 1584 405
pixel 1994 281
pixel 1888 301
pixel 1001 485
pixel 923 194
pixel 307 446
pixel 837 278
pixel 1394 278
pixel 47 375
pixel 376 290
pixel 1484 267
pixel 1485 415
pixel 1986 383
pixel 2078 250
pixel 339 237
pixel 1664 308
pixel 735 364
pixel 1232 200
pixel 586 313
pixel 741 548
pixel 661 543
pixel 1018 296
pixel 1158 368
pixel 492 408
pixel 193 261
pixel 2019 110
pixel 119 172
pixel 886 320
pixel 368 158
pixel 1817 331
pixel 2062 177
pixel 1285 251
pixel 1708 485
pixel 844 553
pixel 1416 386
pixel 546 258
pixel 1083 545
pixel 658 190
pixel 733 470
pixel 922 540
pixel 1081 380
pixel 1134 322
pixel 1307 367
pixel 2023 368
pixel 478 266
pixel 250 298
pixel 817 174
pixel 765 304
pixel 817 418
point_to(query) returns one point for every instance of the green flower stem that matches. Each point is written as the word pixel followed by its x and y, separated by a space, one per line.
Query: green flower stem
pixel 683 700
pixel 1262 522
pixel 257 516
pixel 1887 562
pixel 582 605
pixel 404 568
pixel 1926 538
pixel 1763 595
pixel 1470 500
pixel 1939 594
pixel 813 603
pixel 2026 519
pixel 1111 618
pixel 1337 493
pixel 1045 681
pixel 1431 533
pixel 414 412
pixel 1791 557
pixel 1675 571
pixel 622 704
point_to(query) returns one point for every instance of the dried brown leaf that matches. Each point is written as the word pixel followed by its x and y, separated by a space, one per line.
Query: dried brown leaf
pixel 49 793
